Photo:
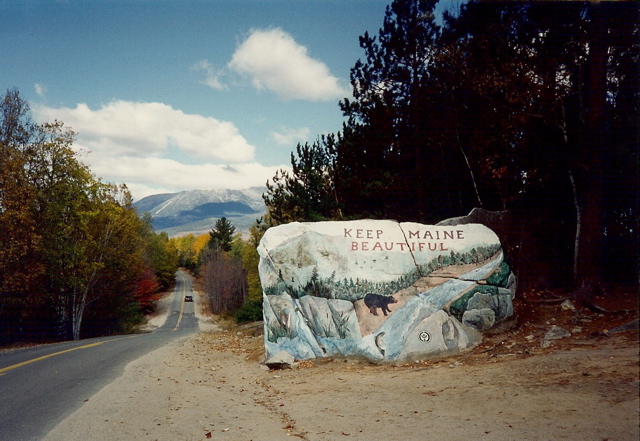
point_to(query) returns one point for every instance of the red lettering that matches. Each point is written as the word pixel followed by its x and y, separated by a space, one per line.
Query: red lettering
pixel 410 246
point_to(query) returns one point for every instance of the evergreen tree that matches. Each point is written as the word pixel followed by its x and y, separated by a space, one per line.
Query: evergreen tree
pixel 309 192
pixel 550 87
pixel 221 235
pixel 530 107
pixel 392 163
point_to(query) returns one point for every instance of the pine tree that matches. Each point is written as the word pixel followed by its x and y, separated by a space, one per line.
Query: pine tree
pixel 221 235
pixel 393 162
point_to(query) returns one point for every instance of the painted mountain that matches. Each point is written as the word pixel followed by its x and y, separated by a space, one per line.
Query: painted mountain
pixel 196 211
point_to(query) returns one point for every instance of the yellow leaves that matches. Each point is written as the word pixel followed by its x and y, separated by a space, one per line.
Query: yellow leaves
pixel 65 235
pixel 200 242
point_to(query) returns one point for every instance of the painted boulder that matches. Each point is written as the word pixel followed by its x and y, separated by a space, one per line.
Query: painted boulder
pixel 382 290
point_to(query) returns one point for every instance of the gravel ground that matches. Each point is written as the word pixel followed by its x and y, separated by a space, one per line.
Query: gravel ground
pixel 213 385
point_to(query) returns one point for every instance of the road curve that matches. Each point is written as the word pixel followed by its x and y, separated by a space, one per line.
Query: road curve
pixel 40 386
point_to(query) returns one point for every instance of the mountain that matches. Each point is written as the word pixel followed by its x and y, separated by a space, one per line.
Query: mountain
pixel 196 211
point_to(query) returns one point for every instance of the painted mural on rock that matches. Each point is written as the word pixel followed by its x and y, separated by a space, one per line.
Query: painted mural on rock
pixel 382 290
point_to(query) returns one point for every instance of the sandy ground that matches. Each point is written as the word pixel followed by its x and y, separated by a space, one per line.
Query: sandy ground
pixel 213 385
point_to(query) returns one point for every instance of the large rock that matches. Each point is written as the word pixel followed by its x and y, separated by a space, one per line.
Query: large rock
pixel 382 290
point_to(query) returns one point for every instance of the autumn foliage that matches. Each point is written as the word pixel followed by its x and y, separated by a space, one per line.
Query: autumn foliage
pixel 76 260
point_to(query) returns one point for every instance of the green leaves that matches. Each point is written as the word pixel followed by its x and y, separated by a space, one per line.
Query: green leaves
pixel 71 246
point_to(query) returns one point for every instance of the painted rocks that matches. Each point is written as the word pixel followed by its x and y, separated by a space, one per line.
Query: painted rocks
pixel 382 290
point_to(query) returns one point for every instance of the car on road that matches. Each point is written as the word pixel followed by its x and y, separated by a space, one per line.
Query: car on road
pixel 188 298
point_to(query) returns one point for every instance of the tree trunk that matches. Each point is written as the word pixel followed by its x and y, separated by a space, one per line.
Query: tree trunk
pixel 473 178
pixel 591 231
pixel 78 312
pixel 576 243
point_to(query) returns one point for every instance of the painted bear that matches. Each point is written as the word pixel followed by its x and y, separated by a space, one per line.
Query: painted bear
pixel 375 301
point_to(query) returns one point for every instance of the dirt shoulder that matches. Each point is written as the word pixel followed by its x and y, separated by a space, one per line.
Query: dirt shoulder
pixel 212 385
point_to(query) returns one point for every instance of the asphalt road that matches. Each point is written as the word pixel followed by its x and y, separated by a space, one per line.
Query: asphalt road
pixel 40 386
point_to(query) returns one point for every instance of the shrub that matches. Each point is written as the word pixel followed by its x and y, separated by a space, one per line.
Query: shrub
pixel 250 312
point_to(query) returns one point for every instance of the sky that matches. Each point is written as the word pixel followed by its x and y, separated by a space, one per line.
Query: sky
pixel 166 95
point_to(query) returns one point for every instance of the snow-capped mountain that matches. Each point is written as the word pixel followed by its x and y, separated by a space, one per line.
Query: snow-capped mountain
pixel 196 211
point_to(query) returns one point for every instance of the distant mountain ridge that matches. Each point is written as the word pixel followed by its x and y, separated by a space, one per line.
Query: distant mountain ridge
pixel 196 211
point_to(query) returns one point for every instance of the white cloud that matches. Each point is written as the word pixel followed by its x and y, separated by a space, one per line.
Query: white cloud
pixel 289 137
pixel 135 144
pixel 40 89
pixel 147 176
pixel 142 129
pixel 213 76
pixel 274 61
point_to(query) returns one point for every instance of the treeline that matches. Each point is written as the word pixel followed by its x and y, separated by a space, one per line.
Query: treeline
pixel 527 108
pixel 76 260
pixel 227 266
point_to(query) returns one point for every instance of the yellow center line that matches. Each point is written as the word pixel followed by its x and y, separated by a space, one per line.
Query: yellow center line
pixel 44 357
pixel 184 291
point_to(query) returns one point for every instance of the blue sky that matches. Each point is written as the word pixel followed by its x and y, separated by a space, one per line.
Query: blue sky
pixel 193 94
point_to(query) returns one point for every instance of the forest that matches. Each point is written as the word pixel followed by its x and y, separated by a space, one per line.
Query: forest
pixel 76 260
pixel 528 110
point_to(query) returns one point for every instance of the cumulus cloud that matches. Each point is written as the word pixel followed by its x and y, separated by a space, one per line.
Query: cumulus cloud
pixel 274 61
pixel 125 128
pixel 147 176
pixel 154 148
pixel 288 136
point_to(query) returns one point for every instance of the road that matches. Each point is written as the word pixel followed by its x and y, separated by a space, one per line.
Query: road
pixel 42 385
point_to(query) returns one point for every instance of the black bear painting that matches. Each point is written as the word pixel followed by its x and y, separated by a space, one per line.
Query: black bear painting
pixel 375 301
